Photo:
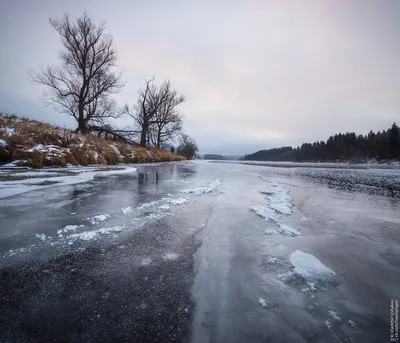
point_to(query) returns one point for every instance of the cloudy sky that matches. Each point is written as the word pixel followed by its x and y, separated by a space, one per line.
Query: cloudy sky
pixel 257 74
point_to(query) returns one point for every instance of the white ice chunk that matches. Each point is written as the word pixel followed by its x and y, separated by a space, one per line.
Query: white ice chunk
pixel 351 323
pixel 170 256
pixel 265 212
pixel 281 207
pixel 177 201
pixel 328 324
pixel 126 210
pixel 164 207
pixel 334 316
pixel 206 189
pixel 273 260
pixel 41 236
pixel 270 232
pixel 263 302
pixel 147 205
pixel 309 267
pixel 285 277
pixel 287 230
pixel 99 218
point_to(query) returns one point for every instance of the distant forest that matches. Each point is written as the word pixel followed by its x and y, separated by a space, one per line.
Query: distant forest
pixel 340 147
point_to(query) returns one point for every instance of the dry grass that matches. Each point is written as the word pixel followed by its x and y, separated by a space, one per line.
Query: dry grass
pixel 36 144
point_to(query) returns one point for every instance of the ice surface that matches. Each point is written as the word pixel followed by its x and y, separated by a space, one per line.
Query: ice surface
pixel 270 232
pixel 206 189
pixel 127 210
pixel 309 267
pixel 36 173
pixel 10 188
pixel 287 230
pixel 265 212
pixel 164 207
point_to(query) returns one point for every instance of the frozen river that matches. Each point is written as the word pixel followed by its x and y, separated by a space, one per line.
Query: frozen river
pixel 203 252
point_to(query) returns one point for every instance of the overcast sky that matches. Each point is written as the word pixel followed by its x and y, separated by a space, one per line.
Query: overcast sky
pixel 257 74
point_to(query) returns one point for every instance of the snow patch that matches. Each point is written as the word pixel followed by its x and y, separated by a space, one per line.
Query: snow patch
pixel 177 201
pixel 97 219
pixel 164 207
pixel 69 228
pixel 207 189
pixel 309 267
pixel 90 235
pixel 127 210
pixel 351 323
pixel 288 231
pixel 41 236
pixel 285 277
pixel 273 260
pixel 147 205
pixel 334 316
pixel 263 302
pixel 270 232
pixel 3 142
pixel 171 256
pixel 265 212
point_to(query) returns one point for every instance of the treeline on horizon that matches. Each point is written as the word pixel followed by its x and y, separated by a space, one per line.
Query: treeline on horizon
pixel 383 145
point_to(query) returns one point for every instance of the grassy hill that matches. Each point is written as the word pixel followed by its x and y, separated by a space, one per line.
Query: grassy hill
pixel 26 142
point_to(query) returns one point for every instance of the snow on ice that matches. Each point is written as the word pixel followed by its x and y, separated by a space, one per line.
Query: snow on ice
pixel 309 267
pixel 41 236
pixel 127 210
pixel 147 205
pixel 177 201
pixel 270 232
pixel 263 302
pixel 206 189
pixel 265 212
pixel 171 256
pixel 334 316
pixel 288 231
pixel 100 218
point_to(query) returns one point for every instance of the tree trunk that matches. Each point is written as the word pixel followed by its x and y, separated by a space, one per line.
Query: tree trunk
pixel 158 139
pixel 143 135
pixel 81 120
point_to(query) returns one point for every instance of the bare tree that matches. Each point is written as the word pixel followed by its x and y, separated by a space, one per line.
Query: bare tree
pixel 187 147
pixel 155 113
pixel 83 84
pixel 168 123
